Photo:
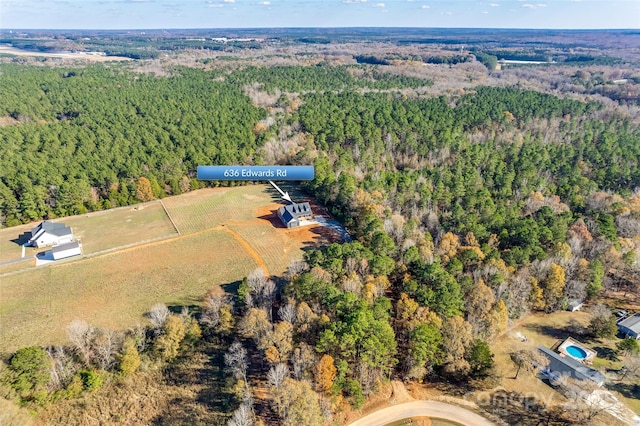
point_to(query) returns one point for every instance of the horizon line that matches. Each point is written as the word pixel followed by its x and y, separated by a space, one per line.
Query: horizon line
pixel 319 27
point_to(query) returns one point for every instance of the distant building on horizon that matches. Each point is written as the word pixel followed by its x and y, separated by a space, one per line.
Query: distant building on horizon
pixel 49 233
pixel 293 214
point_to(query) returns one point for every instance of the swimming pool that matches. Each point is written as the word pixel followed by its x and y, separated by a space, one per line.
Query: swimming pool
pixel 576 351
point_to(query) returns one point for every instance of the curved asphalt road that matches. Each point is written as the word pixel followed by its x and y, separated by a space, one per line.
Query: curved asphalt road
pixel 422 408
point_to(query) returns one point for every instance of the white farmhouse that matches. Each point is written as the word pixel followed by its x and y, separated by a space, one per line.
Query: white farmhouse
pixel 49 233
pixel 293 214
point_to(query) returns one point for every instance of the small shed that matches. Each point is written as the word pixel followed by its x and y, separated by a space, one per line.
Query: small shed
pixel 293 214
pixel 574 305
pixel 63 251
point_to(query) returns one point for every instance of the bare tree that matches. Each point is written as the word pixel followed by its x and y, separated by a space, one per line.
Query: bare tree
pixel 63 367
pixel 211 309
pixel 631 368
pixel 352 284
pixel 288 312
pixel 262 290
pixel 518 292
pixel 296 268
pixel 107 344
pixel 325 407
pixel 528 360
pixel 268 297
pixel 602 323
pixel 394 226
pixel 628 226
pixel 586 399
pixel 351 265
pixel 303 358
pixel 158 315
pixel 256 280
pixel 139 334
pixel 81 336
pixel 575 289
pixel 236 361
pixel 242 416
pixel 277 374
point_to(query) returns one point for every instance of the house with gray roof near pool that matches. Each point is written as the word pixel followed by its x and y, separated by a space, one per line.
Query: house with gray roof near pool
pixel 563 365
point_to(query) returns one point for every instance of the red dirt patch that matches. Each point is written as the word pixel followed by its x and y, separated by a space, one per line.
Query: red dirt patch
pixel 314 233
pixel 270 214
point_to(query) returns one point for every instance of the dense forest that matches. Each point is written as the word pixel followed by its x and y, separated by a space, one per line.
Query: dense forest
pixel 73 152
pixel 468 210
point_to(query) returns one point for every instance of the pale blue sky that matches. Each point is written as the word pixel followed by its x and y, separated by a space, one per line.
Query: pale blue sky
pixel 147 14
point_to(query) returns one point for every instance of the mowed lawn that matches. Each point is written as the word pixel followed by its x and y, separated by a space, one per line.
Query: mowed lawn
pixel 207 208
pixel 115 228
pixel 96 231
pixel 115 290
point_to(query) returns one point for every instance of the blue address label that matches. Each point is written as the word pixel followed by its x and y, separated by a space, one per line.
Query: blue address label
pixel 256 172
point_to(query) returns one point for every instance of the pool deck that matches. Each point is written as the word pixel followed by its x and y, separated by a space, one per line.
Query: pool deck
pixel 562 349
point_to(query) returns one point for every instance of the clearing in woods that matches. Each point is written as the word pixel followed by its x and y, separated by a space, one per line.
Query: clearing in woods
pixel 224 234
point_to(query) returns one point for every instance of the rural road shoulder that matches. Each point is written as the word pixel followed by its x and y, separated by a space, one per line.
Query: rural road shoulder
pixel 423 408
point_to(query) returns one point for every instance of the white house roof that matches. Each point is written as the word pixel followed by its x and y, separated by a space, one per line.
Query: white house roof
pixel 632 323
pixel 57 229
pixel 64 247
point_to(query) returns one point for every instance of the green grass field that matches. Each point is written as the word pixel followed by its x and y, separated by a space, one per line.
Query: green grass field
pixel 115 289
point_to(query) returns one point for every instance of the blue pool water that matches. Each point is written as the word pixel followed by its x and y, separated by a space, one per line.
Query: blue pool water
pixel 576 352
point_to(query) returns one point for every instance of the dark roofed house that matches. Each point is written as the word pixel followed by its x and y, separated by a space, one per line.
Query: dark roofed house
pixel 49 233
pixel 291 215
pixel 562 365
pixel 630 326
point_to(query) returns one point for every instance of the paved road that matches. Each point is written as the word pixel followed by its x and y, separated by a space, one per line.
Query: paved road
pixel 18 260
pixel 420 409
